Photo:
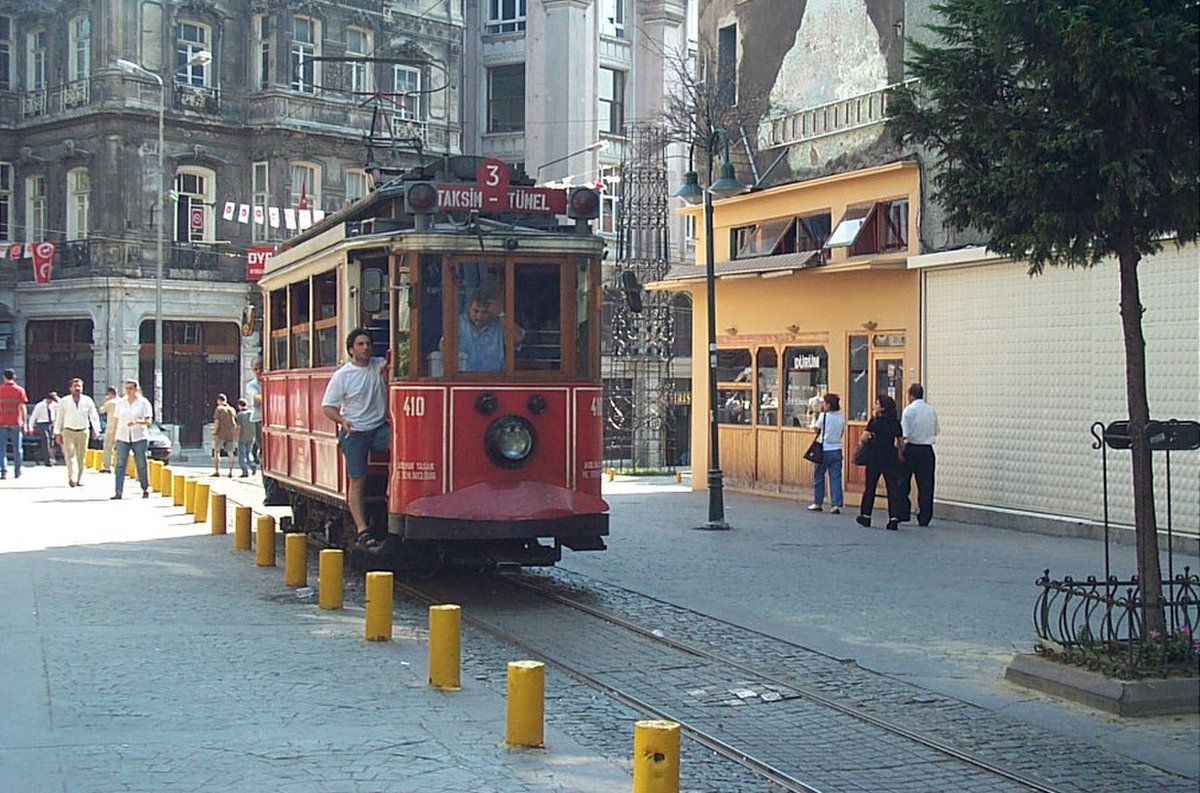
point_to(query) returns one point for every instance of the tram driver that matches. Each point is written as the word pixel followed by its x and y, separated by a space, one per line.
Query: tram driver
pixel 481 335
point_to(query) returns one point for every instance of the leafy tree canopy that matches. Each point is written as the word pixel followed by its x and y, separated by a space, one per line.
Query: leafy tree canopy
pixel 1065 131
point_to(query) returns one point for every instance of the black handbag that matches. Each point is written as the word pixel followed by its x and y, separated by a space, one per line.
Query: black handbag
pixel 861 453
pixel 816 451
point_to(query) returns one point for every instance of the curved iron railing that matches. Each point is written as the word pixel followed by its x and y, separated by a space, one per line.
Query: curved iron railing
pixel 1097 623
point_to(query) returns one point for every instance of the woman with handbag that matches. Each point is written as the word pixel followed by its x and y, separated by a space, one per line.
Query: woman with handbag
pixel 832 426
pixel 881 460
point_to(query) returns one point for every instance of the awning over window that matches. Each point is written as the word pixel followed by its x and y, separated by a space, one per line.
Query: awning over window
pixel 760 266
pixel 850 226
pixel 765 238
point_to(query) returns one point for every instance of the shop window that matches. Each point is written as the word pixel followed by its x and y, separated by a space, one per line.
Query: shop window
pixel 767 384
pixel 300 319
pixel 858 398
pixel 735 374
pixel 807 372
pixel 325 318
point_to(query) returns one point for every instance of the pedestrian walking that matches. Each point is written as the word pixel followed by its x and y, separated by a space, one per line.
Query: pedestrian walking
pixel 245 441
pixel 919 423
pixel 134 415
pixel 356 401
pixel 883 462
pixel 77 416
pixel 254 401
pixel 42 424
pixel 12 423
pixel 108 421
pixel 832 426
pixel 225 434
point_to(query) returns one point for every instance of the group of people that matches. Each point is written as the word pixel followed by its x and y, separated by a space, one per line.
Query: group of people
pixel 239 431
pixel 896 449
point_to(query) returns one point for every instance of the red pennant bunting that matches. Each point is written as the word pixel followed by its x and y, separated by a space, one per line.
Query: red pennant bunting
pixel 43 261
pixel 14 252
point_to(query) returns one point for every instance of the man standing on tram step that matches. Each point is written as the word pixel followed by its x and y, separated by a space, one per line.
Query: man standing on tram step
pixel 919 423
pixel 254 401
pixel 76 416
pixel 12 423
pixel 356 401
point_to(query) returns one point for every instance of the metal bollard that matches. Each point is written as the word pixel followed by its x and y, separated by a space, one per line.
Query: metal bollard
pixel 329 579
pixel 379 607
pixel 241 528
pixel 201 504
pixel 445 656
pixel 655 757
pixel 525 715
pixel 295 565
pixel 177 488
pixel 264 550
pixel 189 496
pixel 217 513
pixel 164 479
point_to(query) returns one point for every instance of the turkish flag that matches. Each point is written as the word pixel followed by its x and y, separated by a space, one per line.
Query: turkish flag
pixel 303 195
pixel 43 261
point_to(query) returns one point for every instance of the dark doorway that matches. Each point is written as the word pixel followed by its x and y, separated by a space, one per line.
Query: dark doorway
pixel 200 360
pixel 56 351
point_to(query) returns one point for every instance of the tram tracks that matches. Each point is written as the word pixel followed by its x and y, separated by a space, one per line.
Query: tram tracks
pixel 496 605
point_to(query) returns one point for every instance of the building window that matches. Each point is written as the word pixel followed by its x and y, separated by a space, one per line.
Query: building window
pixel 190 39
pixel 260 58
pixel 357 184
pixel 6 177
pixel 260 189
pixel 35 208
pixel 506 98
pixel 893 225
pixel 612 18
pixel 612 101
pixel 610 200
pixel 79 194
pixel 80 65
pixel 37 61
pixel 780 236
pixel 197 190
pixel 727 66
pixel 505 16
pixel 735 382
pixel 858 399
pixel 305 47
pixel 6 50
pixel 358 45
pixel 306 185
pixel 406 82
pixel 882 226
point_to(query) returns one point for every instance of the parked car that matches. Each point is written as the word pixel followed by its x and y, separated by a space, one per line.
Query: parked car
pixel 160 442
pixel 32 447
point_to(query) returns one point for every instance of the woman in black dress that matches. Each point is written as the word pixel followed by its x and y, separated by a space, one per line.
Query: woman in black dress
pixel 880 436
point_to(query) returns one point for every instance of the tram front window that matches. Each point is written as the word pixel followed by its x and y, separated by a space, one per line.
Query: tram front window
pixel 482 330
pixel 538 306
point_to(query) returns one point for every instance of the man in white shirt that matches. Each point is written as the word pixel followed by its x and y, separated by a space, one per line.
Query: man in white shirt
pixel 254 402
pixel 356 401
pixel 41 422
pixel 919 423
pixel 76 415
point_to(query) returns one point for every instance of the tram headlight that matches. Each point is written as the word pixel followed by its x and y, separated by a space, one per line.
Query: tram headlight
pixel 509 441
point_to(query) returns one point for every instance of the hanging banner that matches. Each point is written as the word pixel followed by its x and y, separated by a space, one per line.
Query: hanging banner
pixel 43 261
pixel 227 213
pixel 260 216
pixel 273 214
pixel 3 250
pixel 14 251
pixel 256 261
pixel 243 213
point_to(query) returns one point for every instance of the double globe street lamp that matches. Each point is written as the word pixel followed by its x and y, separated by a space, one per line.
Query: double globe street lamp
pixel 200 58
pixel 692 193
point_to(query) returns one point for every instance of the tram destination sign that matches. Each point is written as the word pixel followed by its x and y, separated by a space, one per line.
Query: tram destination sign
pixel 522 200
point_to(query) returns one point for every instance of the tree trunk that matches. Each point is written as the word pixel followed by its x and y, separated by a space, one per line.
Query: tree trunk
pixel 1144 520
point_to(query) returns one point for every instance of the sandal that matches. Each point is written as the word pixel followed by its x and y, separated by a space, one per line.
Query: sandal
pixel 364 539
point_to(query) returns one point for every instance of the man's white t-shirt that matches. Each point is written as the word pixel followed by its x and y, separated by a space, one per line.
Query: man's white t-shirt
pixel 360 393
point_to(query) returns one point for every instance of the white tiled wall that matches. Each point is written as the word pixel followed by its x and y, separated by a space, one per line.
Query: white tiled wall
pixel 1018 368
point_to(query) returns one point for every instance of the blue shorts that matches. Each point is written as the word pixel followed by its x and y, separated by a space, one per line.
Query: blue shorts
pixel 356 446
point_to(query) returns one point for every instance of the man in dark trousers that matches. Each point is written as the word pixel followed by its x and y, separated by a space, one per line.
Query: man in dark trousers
pixel 919 423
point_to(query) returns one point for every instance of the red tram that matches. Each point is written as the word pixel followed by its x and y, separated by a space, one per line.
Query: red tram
pixel 495 447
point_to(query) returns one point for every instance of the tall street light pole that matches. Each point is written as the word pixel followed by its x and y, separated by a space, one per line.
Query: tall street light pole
pixel 690 192
pixel 203 57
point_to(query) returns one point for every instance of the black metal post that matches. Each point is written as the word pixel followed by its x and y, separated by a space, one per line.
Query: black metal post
pixel 716 486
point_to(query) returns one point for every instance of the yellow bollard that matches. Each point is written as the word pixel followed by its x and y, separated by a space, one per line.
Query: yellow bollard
pixel 217 513
pixel 611 474
pixel 295 565
pixel 177 487
pixel 379 607
pixel 156 468
pixel 150 474
pixel 526 703
pixel 241 528
pixel 329 579
pixel 678 477
pixel 189 496
pixel 655 757
pixel 264 552
pixel 164 480
pixel 201 505
pixel 444 647
pixel 89 458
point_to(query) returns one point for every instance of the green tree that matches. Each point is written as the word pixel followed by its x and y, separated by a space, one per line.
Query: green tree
pixel 1066 132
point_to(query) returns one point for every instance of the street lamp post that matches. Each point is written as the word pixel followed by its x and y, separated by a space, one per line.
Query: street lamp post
pixel 691 192
pixel 202 57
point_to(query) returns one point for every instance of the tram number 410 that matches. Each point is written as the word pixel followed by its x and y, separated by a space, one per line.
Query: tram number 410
pixel 414 406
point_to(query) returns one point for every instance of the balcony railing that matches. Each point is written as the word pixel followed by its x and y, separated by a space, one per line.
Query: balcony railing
pixel 34 103
pixel 844 115
pixel 198 98
pixel 60 98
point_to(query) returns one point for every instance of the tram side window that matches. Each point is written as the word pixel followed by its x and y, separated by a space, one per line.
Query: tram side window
pixel 279 330
pixel 402 343
pixel 538 309
pixel 481 328
pixel 735 379
pixel 583 319
pixel 301 330
pixel 325 319
pixel 807 373
pixel 429 319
